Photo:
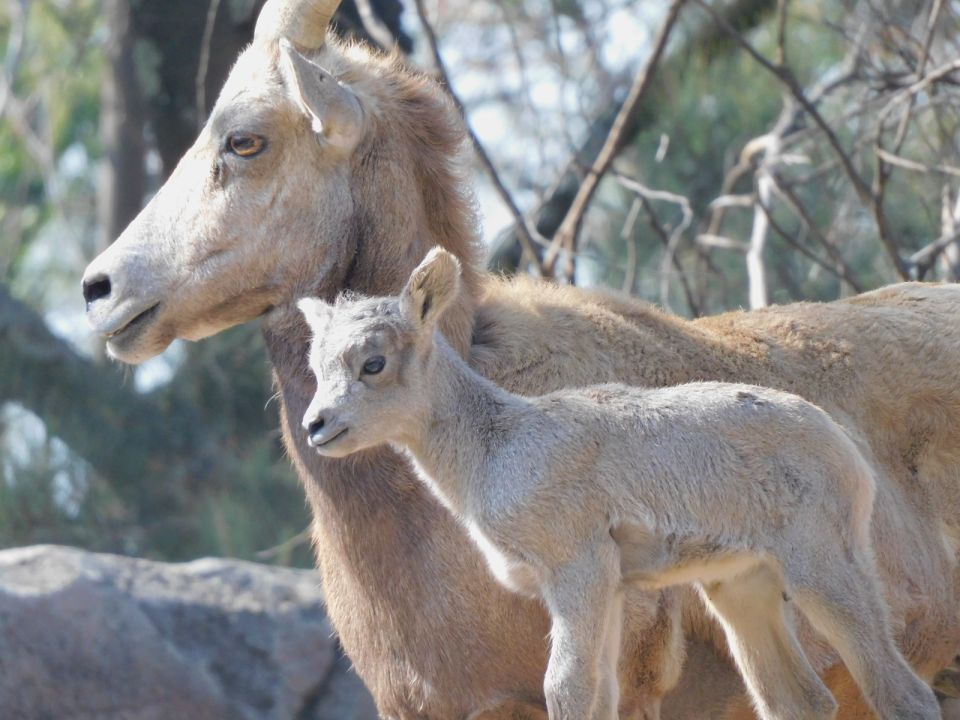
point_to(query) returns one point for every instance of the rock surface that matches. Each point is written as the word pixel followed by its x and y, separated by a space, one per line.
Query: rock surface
pixel 104 637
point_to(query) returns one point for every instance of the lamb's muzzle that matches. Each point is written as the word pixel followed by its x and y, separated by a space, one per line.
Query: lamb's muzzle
pixel 323 428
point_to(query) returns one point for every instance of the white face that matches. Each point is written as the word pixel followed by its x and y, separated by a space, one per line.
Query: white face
pixel 369 373
pixel 260 205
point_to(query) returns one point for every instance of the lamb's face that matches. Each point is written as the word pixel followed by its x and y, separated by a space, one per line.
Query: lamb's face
pixel 370 359
pixel 364 357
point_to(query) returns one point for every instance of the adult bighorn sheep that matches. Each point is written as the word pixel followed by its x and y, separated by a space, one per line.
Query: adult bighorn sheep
pixel 752 495
pixel 324 167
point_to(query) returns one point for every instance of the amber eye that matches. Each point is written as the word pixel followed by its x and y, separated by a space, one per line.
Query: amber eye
pixel 245 144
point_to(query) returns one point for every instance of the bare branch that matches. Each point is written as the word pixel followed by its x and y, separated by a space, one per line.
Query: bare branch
pixel 950 222
pixel 915 166
pixel 866 194
pixel 559 195
pixel 203 63
pixel 756 269
pixel 786 76
pixel 11 61
pixel 924 258
pixel 565 237
pixel 919 86
pixel 722 242
pixel 729 201
pixel 782 32
pixel 672 241
pixel 375 27
pixel 626 234
pixel 527 232
pixel 928 37
pixel 791 200
pixel 799 247
pixel 283 549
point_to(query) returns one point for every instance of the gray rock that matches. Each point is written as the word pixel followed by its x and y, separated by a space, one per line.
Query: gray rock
pixel 103 637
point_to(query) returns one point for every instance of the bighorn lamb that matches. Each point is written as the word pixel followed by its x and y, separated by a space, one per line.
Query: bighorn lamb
pixel 326 167
pixel 754 495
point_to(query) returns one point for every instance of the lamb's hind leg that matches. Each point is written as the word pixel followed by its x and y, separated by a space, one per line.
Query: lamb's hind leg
pixel 841 598
pixel 750 608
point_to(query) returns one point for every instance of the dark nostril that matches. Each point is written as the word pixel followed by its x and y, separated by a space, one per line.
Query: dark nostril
pixel 315 427
pixel 96 288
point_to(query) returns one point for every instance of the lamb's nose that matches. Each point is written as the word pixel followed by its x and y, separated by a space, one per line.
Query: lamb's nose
pixel 95 288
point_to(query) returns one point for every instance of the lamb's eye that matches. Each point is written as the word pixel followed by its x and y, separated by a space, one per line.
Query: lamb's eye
pixel 245 145
pixel 374 365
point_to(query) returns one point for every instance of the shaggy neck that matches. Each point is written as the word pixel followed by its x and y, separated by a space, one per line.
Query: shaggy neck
pixel 369 507
pixel 465 424
pixel 376 528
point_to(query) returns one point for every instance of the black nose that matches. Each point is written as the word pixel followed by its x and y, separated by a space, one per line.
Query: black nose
pixel 95 288
pixel 315 427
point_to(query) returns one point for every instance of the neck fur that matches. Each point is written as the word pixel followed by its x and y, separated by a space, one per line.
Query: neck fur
pixel 466 421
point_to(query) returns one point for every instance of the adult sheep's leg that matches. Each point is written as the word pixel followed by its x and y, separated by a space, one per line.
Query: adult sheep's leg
pixel 583 599
pixel 514 711
pixel 652 651
pixel 841 598
pixel 850 702
pixel 778 675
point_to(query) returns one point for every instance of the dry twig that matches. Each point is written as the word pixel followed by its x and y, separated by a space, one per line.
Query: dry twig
pixel 527 232
pixel 669 239
pixel 203 64
pixel 565 237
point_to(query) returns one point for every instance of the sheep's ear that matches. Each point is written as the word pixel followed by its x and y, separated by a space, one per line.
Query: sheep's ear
pixel 431 287
pixel 333 109
pixel 314 310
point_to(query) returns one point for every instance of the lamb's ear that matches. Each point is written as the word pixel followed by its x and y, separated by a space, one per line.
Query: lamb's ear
pixel 314 310
pixel 431 287
pixel 334 111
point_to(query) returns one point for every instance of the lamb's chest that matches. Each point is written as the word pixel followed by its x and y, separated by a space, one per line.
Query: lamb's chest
pixel 509 570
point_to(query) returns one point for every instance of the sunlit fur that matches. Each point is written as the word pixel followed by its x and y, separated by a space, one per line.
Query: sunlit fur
pixel 429 631
pixel 754 496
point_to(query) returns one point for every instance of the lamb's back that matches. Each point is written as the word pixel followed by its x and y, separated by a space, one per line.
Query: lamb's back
pixel 741 454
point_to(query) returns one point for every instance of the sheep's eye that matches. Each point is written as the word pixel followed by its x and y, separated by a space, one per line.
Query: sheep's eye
pixel 374 365
pixel 245 145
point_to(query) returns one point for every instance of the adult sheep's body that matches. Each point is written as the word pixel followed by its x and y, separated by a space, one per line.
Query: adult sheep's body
pixel 303 185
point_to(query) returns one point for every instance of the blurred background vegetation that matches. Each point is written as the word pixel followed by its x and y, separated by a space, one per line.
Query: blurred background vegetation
pixel 832 169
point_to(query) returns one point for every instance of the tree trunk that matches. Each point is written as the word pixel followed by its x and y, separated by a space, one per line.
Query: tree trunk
pixel 122 181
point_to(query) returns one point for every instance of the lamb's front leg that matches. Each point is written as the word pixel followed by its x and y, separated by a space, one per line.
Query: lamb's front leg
pixel 584 601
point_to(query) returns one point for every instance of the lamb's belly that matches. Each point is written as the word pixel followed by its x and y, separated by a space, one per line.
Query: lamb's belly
pixel 511 572
pixel 724 567
pixel 654 561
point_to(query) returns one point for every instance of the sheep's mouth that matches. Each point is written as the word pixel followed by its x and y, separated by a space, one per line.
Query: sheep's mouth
pixel 134 327
pixel 330 440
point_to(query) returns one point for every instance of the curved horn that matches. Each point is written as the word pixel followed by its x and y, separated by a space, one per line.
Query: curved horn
pixel 302 22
